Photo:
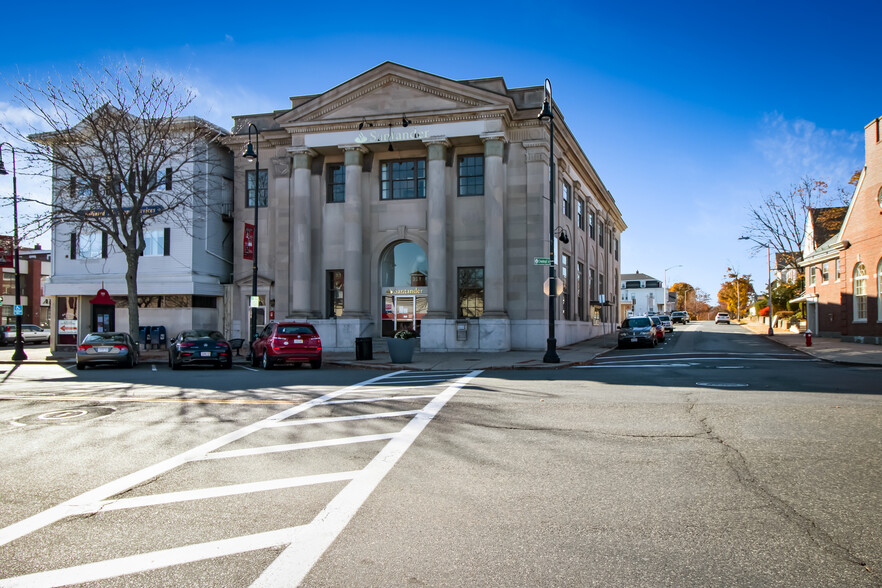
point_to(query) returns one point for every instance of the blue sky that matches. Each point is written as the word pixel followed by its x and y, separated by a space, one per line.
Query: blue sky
pixel 689 111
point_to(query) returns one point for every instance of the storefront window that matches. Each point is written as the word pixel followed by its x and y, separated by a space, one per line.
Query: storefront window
pixel 470 292
pixel 403 179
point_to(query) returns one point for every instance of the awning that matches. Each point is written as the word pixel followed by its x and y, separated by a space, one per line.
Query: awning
pixel 103 298
pixel 804 298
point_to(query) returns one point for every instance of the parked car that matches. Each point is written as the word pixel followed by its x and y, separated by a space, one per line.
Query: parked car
pixel 287 342
pixel 659 328
pixel 200 347
pixel 680 316
pixel 722 317
pixel 116 348
pixel 29 334
pixel 666 323
pixel 637 330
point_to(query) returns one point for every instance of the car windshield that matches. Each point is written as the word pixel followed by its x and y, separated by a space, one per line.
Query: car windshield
pixel 295 330
pixel 105 338
pixel 635 323
pixel 201 334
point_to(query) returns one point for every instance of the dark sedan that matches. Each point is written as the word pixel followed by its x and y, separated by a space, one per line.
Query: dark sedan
pixel 117 349
pixel 200 347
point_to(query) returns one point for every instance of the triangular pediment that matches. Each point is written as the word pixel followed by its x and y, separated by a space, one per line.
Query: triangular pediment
pixel 393 90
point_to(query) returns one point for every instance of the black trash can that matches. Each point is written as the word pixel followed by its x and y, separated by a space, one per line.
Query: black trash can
pixel 364 348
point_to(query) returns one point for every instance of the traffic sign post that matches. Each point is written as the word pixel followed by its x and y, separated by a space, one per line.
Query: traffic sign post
pixel 17 310
pixel 542 261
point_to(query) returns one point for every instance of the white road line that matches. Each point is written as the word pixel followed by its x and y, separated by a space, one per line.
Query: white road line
pixel 358 417
pixel 381 399
pixel 297 446
pixel 65 509
pixel 635 365
pixel 217 492
pixel 144 562
pixel 294 563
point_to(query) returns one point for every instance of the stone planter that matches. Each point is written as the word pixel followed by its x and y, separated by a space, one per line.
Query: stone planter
pixel 400 350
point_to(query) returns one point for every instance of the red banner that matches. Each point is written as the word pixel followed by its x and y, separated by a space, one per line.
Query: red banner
pixel 248 242
pixel 7 252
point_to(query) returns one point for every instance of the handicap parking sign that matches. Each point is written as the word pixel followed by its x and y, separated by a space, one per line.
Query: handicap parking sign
pixel 17 310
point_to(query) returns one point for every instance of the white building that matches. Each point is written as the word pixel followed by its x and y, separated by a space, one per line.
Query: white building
pixel 401 199
pixel 181 276
pixel 643 294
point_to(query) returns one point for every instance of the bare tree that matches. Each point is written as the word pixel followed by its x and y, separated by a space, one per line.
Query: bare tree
pixel 780 218
pixel 120 155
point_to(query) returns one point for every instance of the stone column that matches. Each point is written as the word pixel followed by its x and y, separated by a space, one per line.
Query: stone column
pixel 537 236
pixel 279 217
pixel 494 222
pixel 436 197
pixel 300 237
pixel 353 239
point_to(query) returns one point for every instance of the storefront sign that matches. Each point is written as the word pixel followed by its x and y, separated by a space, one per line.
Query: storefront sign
pixel 248 242
pixel 389 136
pixel 67 327
pixel 412 290
pixel 104 212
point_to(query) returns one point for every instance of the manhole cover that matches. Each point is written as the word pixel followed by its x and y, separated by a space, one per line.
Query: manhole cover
pixel 66 415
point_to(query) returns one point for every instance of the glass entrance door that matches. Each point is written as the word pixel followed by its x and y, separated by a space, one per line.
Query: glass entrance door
pixel 402 312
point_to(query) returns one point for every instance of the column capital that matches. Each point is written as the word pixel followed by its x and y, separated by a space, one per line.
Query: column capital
pixel 537 151
pixel 493 136
pixel 437 146
pixel 353 153
pixel 302 156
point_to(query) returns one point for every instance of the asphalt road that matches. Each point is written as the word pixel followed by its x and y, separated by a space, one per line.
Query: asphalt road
pixel 716 459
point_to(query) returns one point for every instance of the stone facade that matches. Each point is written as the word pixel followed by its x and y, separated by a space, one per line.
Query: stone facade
pixel 451 177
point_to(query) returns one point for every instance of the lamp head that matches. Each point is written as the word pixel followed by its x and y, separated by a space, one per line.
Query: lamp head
pixel 546 102
pixel 249 154
pixel 404 121
pixel 3 171
pixel 564 238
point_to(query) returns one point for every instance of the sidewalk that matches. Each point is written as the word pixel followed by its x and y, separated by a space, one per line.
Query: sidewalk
pixel 581 353
pixel 827 348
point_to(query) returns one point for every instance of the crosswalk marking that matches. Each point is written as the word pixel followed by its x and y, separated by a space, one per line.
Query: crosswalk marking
pixel 311 539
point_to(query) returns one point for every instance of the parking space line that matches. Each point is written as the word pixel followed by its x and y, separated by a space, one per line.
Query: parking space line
pixel 380 399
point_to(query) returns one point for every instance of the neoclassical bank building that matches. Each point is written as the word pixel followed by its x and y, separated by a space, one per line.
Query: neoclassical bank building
pixel 404 200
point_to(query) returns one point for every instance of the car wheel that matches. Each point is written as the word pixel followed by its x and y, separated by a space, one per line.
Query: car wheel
pixel 131 362
pixel 266 361
pixel 315 364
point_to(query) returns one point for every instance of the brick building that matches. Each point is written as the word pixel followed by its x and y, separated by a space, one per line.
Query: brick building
pixel 34 268
pixel 844 274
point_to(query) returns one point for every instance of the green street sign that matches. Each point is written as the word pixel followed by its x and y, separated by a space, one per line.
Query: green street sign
pixel 542 261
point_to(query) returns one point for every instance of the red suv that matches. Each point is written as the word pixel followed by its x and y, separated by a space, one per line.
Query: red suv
pixel 287 342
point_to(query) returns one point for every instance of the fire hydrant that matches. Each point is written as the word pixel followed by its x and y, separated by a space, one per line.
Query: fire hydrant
pixel 808 337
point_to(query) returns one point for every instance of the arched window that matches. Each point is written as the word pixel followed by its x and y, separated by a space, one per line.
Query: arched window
pixel 879 292
pixel 860 293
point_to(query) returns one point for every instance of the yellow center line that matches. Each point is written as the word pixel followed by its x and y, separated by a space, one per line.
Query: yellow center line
pixel 177 400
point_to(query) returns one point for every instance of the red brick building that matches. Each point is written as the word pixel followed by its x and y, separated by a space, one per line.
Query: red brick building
pixel 844 274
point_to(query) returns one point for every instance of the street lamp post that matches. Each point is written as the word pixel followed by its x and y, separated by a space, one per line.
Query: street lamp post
pixel 252 153
pixel 768 247
pixel 666 285
pixel 551 346
pixel 18 354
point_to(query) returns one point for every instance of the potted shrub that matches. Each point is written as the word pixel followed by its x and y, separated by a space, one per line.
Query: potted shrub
pixel 401 346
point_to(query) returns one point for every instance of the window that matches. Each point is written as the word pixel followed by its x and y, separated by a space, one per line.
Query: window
pixel 825 273
pixel 471 175
pixel 335 293
pixel 811 275
pixel 164 178
pixel 580 290
pixel 592 284
pixel 860 293
pixel 580 214
pixel 601 285
pixel 611 240
pixel 566 207
pixel 838 270
pixel 879 292
pixel 403 179
pixel 89 245
pixel 879 197
pixel 600 232
pixel 470 292
pixel 565 294
pixel 262 183
pixel 617 250
pixel 591 225
pixel 83 189
pixel 337 183
pixel 653 284
pixel 156 242
pixel 632 284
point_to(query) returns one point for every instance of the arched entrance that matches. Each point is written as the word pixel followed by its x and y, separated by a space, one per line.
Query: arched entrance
pixel 403 271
